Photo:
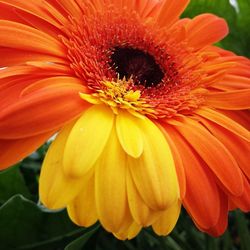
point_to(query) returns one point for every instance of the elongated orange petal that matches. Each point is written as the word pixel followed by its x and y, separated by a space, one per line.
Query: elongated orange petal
pixel 206 29
pixel 238 147
pixel 15 81
pixel 226 122
pixel 215 154
pixel 241 116
pixel 231 100
pixel 34 8
pixel 18 36
pixel 170 12
pixel 243 201
pixel 12 57
pixel 222 222
pixel 202 197
pixel 13 151
pixel 32 114
pixel 10 90
pixel 151 8
pixel 233 82
pixel 71 7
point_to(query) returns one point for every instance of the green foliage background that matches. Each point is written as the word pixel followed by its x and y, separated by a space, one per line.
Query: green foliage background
pixel 26 224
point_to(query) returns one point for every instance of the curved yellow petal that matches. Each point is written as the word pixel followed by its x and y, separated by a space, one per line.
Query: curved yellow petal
pixel 129 233
pixel 154 172
pixel 87 140
pixel 130 136
pixel 167 221
pixel 110 185
pixel 82 210
pixel 55 189
pixel 141 213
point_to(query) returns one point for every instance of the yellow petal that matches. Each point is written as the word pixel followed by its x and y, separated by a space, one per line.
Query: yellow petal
pixel 154 172
pixel 55 189
pixel 87 140
pixel 133 230
pixel 141 213
pixel 129 233
pixel 90 98
pixel 82 209
pixel 110 185
pixel 130 136
pixel 167 221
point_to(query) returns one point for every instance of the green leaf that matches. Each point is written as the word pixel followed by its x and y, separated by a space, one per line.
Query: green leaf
pixel 243 230
pixel 28 226
pixel 227 241
pixel 242 29
pixel 212 243
pixel 81 241
pixel 11 183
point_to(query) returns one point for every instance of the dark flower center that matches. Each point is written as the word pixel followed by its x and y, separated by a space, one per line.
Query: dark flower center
pixel 141 66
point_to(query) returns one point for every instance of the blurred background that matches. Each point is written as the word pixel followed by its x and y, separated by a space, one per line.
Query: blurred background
pixel 26 224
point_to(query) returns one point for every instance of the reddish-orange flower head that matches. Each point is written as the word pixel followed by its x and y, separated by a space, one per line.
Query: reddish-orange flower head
pixel 149 114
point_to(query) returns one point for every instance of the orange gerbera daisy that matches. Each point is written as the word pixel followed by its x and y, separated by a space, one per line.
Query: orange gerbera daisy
pixel 149 114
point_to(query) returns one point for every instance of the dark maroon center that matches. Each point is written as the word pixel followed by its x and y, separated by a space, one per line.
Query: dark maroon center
pixel 142 67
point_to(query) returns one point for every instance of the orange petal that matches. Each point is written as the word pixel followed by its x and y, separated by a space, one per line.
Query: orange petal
pixel 10 90
pixel 12 57
pixel 238 147
pixel 13 151
pixel 215 154
pixel 206 29
pixel 33 8
pixel 8 14
pixel 233 82
pixel 231 100
pixel 202 197
pixel 242 117
pixel 243 201
pixel 71 7
pixel 30 14
pixel 225 122
pixel 222 223
pixel 16 80
pixel 146 8
pixel 170 12
pixel 18 36
pixel 45 109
